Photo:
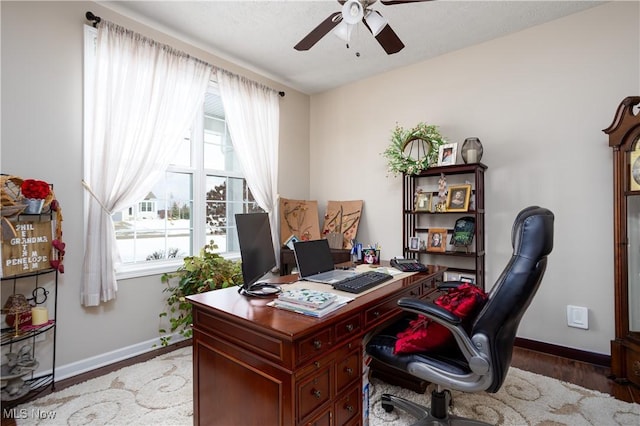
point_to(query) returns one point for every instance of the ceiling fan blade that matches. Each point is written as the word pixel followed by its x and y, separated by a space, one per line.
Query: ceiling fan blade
pixel 389 40
pixel 318 32
pixel 392 2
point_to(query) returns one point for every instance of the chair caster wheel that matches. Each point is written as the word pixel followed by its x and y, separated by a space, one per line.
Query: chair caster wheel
pixel 386 403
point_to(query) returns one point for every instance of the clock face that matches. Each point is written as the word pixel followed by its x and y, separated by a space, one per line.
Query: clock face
pixel 634 169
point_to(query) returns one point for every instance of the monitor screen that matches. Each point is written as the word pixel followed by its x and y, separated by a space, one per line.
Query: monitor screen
pixel 256 246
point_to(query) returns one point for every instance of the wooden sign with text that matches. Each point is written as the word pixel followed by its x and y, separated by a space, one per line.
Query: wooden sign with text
pixel 29 250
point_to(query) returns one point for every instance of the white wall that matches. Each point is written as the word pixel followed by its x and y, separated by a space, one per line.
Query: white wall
pixel 538 100
pixel 42 50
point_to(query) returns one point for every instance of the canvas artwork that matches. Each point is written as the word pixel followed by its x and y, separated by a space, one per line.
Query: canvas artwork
pixel 343 217
pixel 299 218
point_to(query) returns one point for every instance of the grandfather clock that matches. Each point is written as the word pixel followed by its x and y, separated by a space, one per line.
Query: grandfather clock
pixel 624 138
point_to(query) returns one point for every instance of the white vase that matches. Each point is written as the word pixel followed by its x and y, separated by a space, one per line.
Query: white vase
pixel 34 205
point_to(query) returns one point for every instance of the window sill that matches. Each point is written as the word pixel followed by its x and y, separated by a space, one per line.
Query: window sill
pixel 125 272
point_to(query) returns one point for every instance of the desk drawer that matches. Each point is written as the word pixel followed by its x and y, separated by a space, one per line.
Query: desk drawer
pixel 319 343
pixel 348 328
pixel 348 407
pixel 313 392
pixel 386 308
pixel 347 369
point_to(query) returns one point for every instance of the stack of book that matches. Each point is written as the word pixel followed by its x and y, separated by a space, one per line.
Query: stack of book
pixel 310 302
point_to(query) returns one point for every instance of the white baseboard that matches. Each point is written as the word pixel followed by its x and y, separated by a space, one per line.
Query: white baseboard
pixel 88 364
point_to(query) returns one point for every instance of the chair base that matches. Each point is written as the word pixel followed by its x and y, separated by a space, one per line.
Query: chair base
pixel 437 416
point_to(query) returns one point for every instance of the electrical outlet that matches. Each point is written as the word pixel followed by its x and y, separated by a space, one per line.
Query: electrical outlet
pixel 577 316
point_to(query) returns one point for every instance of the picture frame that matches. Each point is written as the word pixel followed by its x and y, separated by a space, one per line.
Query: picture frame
pixel 422 202
pixel 447 154
pixel 463 232
pixel 458 198
pixel 437 240
pixel 414 243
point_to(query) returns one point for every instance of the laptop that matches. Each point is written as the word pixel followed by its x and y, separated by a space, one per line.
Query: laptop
pixel 315 263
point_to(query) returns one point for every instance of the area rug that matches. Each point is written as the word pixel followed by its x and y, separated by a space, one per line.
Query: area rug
pixel 159 392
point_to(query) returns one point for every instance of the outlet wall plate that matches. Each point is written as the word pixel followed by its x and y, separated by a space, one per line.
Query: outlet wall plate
pixel 578 317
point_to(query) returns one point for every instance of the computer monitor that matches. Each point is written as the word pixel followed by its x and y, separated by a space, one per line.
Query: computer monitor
pixel 256 251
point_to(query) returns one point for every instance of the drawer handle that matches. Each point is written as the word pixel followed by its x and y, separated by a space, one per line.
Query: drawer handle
pixel 317 364
pixel 349 327
pixel 317 393
pixel 636 368
pixel 349 408
pixel 376 314
pixel 317 344
pixel 349 371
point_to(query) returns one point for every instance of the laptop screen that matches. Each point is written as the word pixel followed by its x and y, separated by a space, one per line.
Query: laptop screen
pixel 313 257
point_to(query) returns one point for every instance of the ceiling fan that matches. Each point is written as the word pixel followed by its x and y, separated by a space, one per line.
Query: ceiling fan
pixel 354 11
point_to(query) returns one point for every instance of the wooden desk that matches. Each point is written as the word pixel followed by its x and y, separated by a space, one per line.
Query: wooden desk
pixel 258 365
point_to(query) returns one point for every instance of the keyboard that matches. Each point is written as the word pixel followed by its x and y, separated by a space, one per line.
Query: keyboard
pixel 362 282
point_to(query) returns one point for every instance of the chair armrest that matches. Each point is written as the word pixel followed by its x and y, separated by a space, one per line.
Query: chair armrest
pixel 448 285
pixel 428 309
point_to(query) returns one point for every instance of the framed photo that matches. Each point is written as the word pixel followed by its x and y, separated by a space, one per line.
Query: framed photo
pixel 463 231
pixel 437 240
pixel 458 198
pixel 414 243
pixel 447 154
pixel 422 202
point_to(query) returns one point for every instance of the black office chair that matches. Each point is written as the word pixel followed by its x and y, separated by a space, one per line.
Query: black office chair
pixel 480 358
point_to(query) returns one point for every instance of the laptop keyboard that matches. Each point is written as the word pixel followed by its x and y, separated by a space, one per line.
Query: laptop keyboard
pixel 362 282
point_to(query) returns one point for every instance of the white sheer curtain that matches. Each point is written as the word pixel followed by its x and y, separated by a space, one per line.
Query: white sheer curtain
pixel 253 114
pixel 146 96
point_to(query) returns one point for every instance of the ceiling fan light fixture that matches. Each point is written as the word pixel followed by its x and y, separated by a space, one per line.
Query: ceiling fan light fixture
pixel 343 31
pixel 352 12
pixel 375 21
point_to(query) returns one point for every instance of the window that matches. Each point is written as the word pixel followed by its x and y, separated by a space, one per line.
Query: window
pixel 193 204
pixel 205 177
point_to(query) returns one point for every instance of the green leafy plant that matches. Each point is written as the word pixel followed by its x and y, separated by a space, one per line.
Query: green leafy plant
pixel 198 274
pixel 401 155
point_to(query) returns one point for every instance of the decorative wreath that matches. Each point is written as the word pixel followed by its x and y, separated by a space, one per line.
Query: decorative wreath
pixel 413 162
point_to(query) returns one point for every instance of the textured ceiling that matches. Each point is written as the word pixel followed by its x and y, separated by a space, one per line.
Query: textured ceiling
pixel 260 35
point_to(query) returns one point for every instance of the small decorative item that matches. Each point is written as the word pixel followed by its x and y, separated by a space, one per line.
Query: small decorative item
pixel 471 150
pixel 458 198
pixel 436 240
pixel 371 256
pixel 413 150
pixel 422 201
pixel 463 232
pixel 440 207
pixel 442 188
pixel 35 192
pixel 447 154
pixel 414 243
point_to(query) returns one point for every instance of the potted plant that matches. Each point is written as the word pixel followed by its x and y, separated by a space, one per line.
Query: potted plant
pixel 198 274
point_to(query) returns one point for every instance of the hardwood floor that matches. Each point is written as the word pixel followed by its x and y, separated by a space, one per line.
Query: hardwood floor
pixel 585 374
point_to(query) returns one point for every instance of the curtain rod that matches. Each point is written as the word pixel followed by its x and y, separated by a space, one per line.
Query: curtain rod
pixel 96 19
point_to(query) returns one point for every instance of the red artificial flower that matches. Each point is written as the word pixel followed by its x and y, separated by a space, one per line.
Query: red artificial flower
pixel 32 188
